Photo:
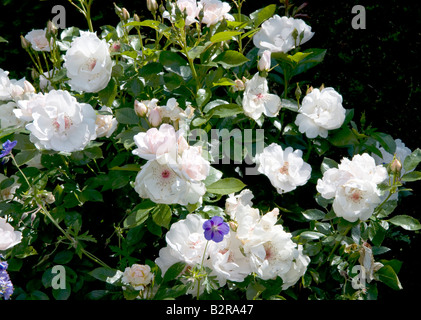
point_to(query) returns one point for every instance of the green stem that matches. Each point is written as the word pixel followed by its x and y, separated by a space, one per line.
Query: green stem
pixel 201 267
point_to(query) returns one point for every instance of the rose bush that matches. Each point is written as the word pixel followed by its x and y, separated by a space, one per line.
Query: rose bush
pixel 133 159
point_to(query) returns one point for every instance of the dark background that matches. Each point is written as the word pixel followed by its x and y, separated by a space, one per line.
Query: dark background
pixel 376 70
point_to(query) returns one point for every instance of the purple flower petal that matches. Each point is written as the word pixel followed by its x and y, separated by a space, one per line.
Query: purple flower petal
pixel 218 236
pixel 208 234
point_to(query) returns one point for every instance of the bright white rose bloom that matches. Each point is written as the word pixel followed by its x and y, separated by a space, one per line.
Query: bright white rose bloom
pixel 215 11
pixel 276 34
pixel 106 123
pixel 157 143
pixel 61 123
pixel 320 111
pixel 190 7
pixel 8 117
pixel 186 243
pixel 258 100
pixel 271 251
pixel 88 63
pixel 38 40
pixel 233 201
pixel 285 169
pixel 172 110
pixel 138 276
pixel 12 89
pixel 165 184
pixel 353 186
pixel 229 262
pixel 24 110
pixel 8 236
pixel 193 165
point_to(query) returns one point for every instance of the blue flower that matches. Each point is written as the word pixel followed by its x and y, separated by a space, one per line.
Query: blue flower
pixel 215 229
pixel 6 286
pixel 7 148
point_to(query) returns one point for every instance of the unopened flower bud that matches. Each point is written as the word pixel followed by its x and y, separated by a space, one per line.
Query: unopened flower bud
pixel 136 18
pixel 309 90
pixel 125 15
pixel 396 166
pixel 51 28
pixel 233 225
pixel 239 85
pixel 265 61
pixel 298 92
pixel 152 5
pixel 140 108
pixel 25 43
pixel 155 117
pixel 115 47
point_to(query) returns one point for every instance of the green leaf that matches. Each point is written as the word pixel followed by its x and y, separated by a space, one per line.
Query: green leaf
pixel 126 116
pixel 388 276
pixel 224 36
pixel 91 195
pixel 406 222
pixel 3 40
pixel 314 214
pixel 62 294
pixel 174 62
pixel 263 14
pixel 63 257
pixel 386 141
pixel 311 235
pixel 327 164
pixel 174 271
pixel 161 215
pixel 108 94
pixel 226 186
pixel 343 138
pixel 411 176
pixel 102 273
pixel 315 57
pixel 412 161
pixel 230 58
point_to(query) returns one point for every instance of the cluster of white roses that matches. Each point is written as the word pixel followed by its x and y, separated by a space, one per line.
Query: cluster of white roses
pixel 212 11
pixel 175 171
pixel 56 120
pixel 354 187
pixel 255 244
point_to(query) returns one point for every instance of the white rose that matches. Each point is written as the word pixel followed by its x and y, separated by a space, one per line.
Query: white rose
pixel 193 165
pixel 4 85
pixel 24 110
pixel 12 89
pixel 106 124
pixel 8 117
pixel 215 11
pixel 285 169
pixel 276 34
pixel 232 202
pixel 38 40
pixel 186 243
pixel 353 186
pixel 258 100
pixel 138 276
pixel 190 7
pixel 320 111
pixel 163 184
pixel 8 236
pixel 61 123
pixel 88 63
pixel 156 143
pixel 270 249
